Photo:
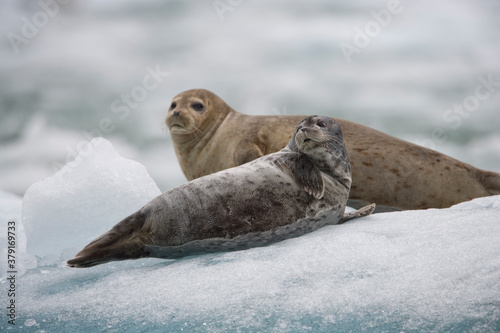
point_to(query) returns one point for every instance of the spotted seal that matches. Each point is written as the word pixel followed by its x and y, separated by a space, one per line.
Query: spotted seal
pixel 286 194
pixel 209 136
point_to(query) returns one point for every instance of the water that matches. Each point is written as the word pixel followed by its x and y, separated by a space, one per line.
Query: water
pixel 70 78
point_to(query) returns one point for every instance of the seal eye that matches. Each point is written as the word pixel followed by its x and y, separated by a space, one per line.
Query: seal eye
pixel 173 105
pixel 198 107
pixel 321 124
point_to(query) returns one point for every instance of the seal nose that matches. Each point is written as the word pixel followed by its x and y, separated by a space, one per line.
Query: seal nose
pixel 177 113
pixel 303 129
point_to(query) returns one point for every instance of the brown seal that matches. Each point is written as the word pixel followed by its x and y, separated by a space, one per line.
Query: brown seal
pixel 282 195
pixel 209 136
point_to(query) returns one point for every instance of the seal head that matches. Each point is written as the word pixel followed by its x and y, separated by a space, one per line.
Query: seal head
pixel 195 112
pixel 320 139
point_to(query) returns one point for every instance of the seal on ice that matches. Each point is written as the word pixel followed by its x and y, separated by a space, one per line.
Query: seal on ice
pixel 282 195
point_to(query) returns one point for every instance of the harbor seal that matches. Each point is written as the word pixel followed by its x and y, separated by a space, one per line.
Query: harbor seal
pixel 282 195
pixel 209 136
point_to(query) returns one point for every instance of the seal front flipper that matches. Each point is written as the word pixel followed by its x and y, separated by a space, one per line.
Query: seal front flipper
pixel 364 211
pixel 305 173
pixel 124 241
pixel 247 155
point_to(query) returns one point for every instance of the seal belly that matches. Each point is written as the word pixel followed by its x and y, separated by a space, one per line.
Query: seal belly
pixel 249 240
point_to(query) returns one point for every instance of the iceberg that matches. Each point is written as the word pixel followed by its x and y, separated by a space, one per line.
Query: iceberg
pixel 84 199
pixel 430 270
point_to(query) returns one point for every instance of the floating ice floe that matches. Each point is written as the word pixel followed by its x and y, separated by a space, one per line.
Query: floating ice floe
pixel 429 270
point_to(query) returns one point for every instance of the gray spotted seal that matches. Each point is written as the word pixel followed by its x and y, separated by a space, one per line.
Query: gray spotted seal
pixel 209 136
pixel 285 194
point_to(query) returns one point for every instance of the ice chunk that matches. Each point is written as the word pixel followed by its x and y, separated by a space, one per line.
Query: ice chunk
pixel 84 199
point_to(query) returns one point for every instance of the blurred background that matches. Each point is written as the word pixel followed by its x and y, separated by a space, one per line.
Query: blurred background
pixel 423 71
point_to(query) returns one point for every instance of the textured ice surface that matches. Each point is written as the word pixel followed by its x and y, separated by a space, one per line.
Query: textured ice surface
pixel 430 270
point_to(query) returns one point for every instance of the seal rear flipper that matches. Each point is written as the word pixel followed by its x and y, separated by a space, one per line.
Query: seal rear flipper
pixel 124 241
pixel 358 203
pixel 490 181
pixel 364 211
pixel 92 257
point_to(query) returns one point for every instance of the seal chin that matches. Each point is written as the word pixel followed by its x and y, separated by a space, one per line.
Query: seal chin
pixel 304 142
pixel 177 129
pixel 181 124
pixel 308 144
pixel 178 125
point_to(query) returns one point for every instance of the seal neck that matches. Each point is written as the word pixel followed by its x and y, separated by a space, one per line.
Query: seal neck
pixel 337 166
pixel 189 146
pixel 332 159
pixel 208 129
